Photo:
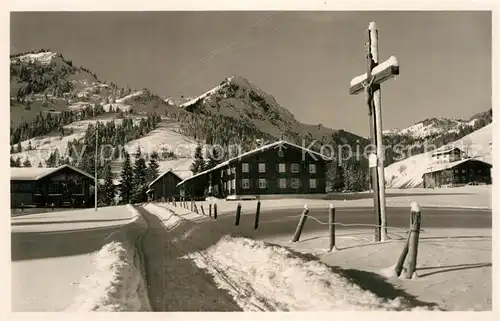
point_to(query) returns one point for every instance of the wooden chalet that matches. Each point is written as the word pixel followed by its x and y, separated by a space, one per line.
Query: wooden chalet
pixel 63 186
pixel 462 172
pixel 164 186
pixel 276 169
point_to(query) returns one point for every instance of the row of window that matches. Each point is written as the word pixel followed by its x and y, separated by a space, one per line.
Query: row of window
pixel 294 168
pixel 282 183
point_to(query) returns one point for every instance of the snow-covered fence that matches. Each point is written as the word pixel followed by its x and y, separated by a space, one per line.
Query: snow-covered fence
pixel 332 223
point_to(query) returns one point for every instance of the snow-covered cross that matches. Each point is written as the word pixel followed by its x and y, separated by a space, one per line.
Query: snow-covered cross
pixel 369 83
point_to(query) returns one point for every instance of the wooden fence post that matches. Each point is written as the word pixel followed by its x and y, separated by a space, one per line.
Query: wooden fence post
pixel 302 221
pixel 215 211
pixel 331 227
pixel 210 210
pixel 399 265
pixel 257 214
pixel 238 214
pixel 202 210
pixel 414 237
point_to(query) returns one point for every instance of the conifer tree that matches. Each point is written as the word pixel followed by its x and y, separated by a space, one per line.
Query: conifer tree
pixel 109 189
pixel 12 162
pixel 40 164
pixel 19 147
pixel 17 162
pixel 27 162
pixel 140 177
pixel 12 151
pixel 198 164
pixel 126 181
pixel 153 167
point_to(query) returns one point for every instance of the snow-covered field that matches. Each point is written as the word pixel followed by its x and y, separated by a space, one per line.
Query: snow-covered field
pixel 78 260
pixel 408 172
pixel 165 138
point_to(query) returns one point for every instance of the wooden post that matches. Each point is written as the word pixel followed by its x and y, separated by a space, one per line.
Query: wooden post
pixel 215 211
pixel 370 84
pixel 409 239
pixel 257 215
pixel 331 227
pixel 414 238
pixel 302 221
pixel 202 210
pixel 210 209
pixel 238 214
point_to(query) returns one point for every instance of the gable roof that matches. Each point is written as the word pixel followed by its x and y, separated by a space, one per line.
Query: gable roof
pixel 161 175
pixel 276 144
pixel 445 150
pixel 36 173
pixel 443 166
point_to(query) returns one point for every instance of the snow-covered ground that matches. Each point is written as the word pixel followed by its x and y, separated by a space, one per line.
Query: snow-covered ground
pixel 408 172
pixel 267 277
pixel 42 57
pixel 167 138
pixel 207 94
pixel 76 259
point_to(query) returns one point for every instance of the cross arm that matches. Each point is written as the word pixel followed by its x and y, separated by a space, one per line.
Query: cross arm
pixel 382 72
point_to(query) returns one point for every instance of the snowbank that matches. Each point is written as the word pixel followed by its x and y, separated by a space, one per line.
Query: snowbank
pixel 169 218
pixel 119 282
pixel 266 277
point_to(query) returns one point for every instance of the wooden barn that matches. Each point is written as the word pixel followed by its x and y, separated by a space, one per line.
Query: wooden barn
pixel 276 169
pixel 164 186
pixel 462 172
pixel 63 186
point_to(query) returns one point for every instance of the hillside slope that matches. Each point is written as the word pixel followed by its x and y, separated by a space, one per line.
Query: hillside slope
pixel 408 172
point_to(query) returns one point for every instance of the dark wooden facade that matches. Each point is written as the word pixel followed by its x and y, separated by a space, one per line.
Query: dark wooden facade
pixel 465 172
pixel 64 186
pixel 164 186
pixel 267 171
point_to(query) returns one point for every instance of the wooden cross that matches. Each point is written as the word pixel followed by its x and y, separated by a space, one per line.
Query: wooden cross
pixel 369 83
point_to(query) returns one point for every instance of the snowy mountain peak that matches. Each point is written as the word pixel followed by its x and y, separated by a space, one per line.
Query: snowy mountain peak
pixel 431 127
pixel 42 57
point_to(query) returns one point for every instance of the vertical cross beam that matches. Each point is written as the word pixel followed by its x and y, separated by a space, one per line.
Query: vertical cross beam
pixel 370 83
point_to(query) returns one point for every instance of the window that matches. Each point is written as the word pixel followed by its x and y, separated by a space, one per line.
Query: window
pixel 463 171
pixel 54 188
pixel 228 171
pixel 295 168
pixel 280 152
pixel 295 183
pixel 244 167
pixel 233 183
pixel 245 183
pixel 312 183
pixel 233 170
pixel 262 167
pixel 282 182
pixel 312 168
pixel 282 168
pixel 262 183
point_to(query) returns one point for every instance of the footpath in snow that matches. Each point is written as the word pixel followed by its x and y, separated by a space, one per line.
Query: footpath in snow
pixel 269 277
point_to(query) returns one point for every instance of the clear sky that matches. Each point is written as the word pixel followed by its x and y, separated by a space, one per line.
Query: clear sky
pixel 304 59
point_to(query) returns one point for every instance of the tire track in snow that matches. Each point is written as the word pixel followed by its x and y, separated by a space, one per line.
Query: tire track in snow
pixel 176 283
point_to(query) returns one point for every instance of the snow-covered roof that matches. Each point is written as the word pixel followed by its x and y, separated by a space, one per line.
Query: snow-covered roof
pixel 36 173
pixel 161 175
pixel 445 150
pixel 443 166
pixel 254 151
